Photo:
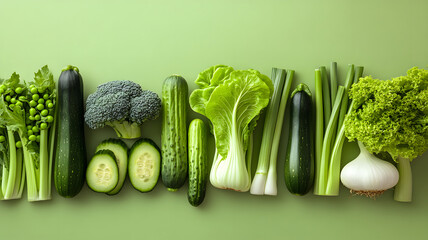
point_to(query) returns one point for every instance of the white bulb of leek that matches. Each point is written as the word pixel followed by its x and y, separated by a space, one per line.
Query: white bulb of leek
pixel 369 175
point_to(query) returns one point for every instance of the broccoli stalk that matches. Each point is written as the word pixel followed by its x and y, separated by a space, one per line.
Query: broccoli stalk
pixel 392 116
pixel 122 105
pixel 125 129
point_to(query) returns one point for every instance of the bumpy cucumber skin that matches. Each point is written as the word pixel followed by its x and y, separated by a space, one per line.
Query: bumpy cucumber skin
pixel 97 154
pixel 198 174
pixel 134 148
pixel 106 145
pixel 174 132
pixel 70 159
pixel 299 161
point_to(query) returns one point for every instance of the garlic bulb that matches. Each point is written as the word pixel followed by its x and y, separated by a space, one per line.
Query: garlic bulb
pixel 368 175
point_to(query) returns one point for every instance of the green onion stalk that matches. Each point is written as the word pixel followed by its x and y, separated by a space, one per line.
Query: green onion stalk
pixel 259 182
pixel 271 183
pixel 265 179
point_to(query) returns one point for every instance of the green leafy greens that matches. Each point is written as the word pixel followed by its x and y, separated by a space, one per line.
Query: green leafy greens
pixel 232 100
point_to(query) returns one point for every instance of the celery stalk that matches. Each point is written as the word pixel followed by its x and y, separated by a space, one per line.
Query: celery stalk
pixel 32 187
pixel 319 128
pixel 326 95
pixel 343 110
pixel 334 168
pixel 20 175
pixel 44 184
pixel 328 138
pixel 4 177
pixel 333 81
pixel 358 73
pixel 349 76
pixel 11 178
pixel 348 83
pixel 336 155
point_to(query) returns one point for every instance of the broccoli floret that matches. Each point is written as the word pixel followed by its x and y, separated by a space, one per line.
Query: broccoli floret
pixel 122 105
pixel 145 107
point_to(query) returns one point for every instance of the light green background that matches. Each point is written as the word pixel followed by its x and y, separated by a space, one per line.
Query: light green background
pixel 146 41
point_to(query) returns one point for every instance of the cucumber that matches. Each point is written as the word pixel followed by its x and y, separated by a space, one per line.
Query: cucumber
pixel 198 161
pixel 70 158
pixel 174 132
pixel 102 174
pixel 144 165
pixel 299 160
pixel 120 150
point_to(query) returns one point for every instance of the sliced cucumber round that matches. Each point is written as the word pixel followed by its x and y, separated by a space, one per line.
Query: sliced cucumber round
pixel 144 165
pixel 102 174
pixel 120 150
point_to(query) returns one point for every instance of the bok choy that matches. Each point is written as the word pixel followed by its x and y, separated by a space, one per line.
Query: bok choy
pixel 232 100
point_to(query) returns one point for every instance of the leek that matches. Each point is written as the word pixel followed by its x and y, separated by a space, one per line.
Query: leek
pixel 259 182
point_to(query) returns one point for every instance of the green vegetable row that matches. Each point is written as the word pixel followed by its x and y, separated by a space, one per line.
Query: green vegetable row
pixel 41 133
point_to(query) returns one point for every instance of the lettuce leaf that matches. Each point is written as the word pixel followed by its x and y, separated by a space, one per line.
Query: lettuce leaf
pixel 391 115
pixel 232 100
pixel 233 105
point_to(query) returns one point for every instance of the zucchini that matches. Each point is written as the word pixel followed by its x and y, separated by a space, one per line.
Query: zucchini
pixel 198 135
pixel 299 160
pixel 144 165
pixel 102 174
pixel 70 158
pixel 174 132
pixel 120 150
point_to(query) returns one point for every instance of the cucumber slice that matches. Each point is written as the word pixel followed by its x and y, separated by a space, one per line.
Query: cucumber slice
pixel 120 150
pixel 144 165
pixel 102 174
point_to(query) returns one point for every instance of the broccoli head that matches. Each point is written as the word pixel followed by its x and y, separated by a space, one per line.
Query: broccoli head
pixel 122 105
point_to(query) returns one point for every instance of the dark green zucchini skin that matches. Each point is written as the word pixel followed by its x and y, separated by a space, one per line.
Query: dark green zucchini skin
pixel 174 132
pixel 299 160
pixel 70 159
pixel 198 162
